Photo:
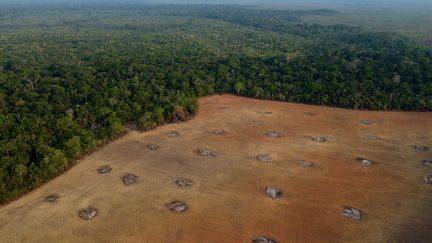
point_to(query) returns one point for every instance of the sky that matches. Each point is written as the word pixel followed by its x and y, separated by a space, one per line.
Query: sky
pixel 364 4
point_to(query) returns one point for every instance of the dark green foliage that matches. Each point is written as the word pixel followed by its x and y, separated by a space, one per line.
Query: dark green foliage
pixel 70 79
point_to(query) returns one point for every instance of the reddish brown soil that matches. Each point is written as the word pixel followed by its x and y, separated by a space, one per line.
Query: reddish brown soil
pixel 227 200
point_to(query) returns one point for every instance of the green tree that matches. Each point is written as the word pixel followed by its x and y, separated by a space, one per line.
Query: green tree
pixel 239 87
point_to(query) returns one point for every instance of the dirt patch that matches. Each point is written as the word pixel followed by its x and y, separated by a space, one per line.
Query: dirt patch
pixel 364 161
pixel 130 179
pixel 304 163
pixel 420 148
pixel 264 239
pixel 183 182
pixel 104 169
pixel 428 179
pixel 52 198
pixel 273 134
pixel 273 192
pixel 309 114
pixel 427 162
pixel 173 134
pixel 88 213
pixel 264 158
pixel 177 206
pixel 352 213
pixel 153 147
pixel 206 152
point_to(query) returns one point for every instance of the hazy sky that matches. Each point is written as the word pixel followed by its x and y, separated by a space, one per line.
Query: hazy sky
pixel 368 4
pixel 356 2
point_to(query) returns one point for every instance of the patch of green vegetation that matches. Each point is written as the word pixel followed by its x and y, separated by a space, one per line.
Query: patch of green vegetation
pixel 412 24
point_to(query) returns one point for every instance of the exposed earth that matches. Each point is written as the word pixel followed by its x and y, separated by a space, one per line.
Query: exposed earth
pixel 227 200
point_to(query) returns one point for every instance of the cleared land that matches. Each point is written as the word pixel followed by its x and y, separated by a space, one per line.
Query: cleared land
pixel 225 194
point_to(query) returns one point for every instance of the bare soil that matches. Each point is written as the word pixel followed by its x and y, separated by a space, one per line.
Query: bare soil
pixel 227 202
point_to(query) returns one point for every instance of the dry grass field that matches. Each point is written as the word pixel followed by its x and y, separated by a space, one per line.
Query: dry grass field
pixel 227 201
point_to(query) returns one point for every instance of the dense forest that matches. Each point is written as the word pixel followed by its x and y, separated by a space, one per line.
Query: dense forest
pixel 72 76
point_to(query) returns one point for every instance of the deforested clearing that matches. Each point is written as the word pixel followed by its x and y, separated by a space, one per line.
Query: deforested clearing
pixel 227 201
